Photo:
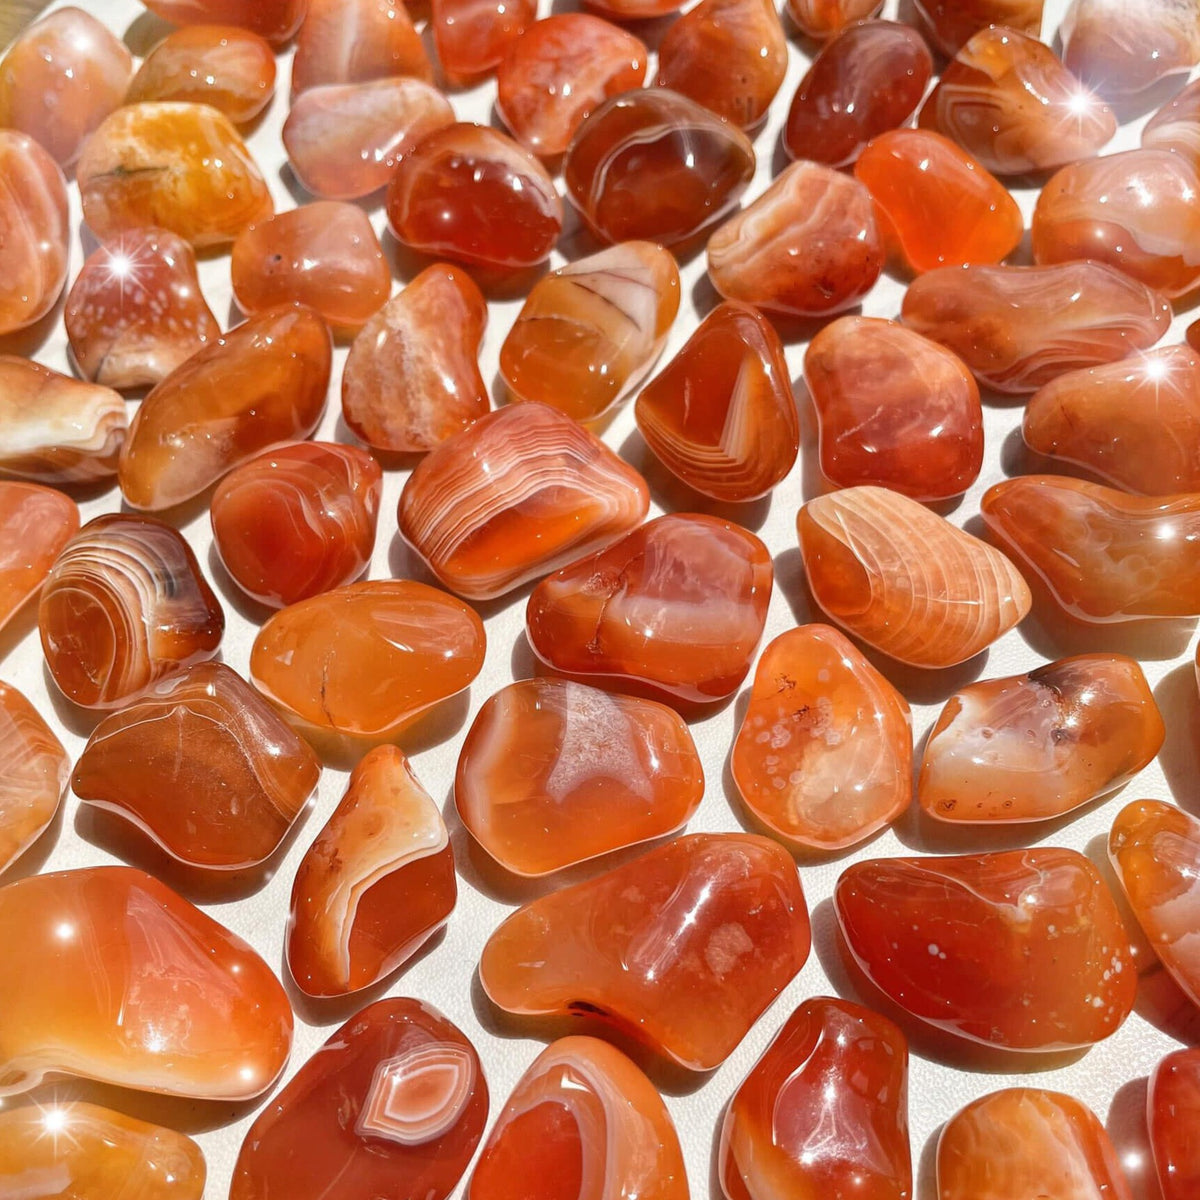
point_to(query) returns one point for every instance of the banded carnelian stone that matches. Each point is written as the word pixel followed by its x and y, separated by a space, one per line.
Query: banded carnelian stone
pixel 473 36
pixel 1176 126
pixel 825 18
pixel 275 20
pixel 36 523
pixel 354 41
pixel 952 22
pixel 1173 1111
pixel 34 771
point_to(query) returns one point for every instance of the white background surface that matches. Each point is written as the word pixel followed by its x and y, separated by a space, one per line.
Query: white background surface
pixel 1110 1078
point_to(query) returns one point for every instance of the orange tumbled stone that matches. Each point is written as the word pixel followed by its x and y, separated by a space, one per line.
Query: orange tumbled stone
pixel 952 22
pixel 823 757
pixel 1022 949
pixel 275 20
pixel 34 770
pixel 369 658
pixel 473 36
pixel 36 523
pixel 937 205
pixel 353 41
pixel 515 495
pixel 905 580
pixel 677 606
pixel 553 773
pixel 681 949
pixel 824 18
pixel 1173 1112
pixel 720 415
pixel 1176 126
pixel 375 885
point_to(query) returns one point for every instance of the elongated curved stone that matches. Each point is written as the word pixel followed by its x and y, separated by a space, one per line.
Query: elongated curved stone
pixel 1176 126
pixel 36 523
pixel 34 770
pixel 355 42
pixel 1173 1108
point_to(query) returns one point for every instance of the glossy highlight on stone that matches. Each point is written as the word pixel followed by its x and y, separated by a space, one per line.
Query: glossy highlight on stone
pixel 275 20
pixel 36 523
pixel 473 36
pixel 1173 1109
pixel 354 41
pixel 825 18
pixel 34 770
pixel 952 22
pixel 1176 126
pixel 681 949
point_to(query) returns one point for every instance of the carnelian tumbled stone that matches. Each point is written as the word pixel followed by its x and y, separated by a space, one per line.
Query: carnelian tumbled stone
pixel 110 975
pixel 653 164
pixel 953 22
pixel 1173 1113
pixel 1023 949
pixel 518 493
pixel 824 754
pixel 1035 746
pixel 297 520
pixel 682 948
pixel 677 606
pixel 393 1104
pixel 553 773
pixel 377 882
pixel 275 20
pixel 34 770
pixel 473 36
pixel 824 18
pixel 937 205
pixel 35 524
pixel 824 1111
pixel 367 659
pixel 1176 126
pixel 354 41
pixel 922 435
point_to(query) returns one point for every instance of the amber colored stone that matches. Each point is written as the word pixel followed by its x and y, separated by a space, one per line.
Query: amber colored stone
pixel 825 18
pixel 632 10
pixel 368 658
pixel 297 520
pixel 582 1111
pixel 869 78
pixel 135 311
pixel 1008 100
pixel 953 22
pixel 473 36
pixel 681 949
pixel 518 493
pixel 124 605
pixel 1173 1113
pixel 1022 949
pixel 34 770
pixel 275 20
pixel 824 1111
pixel 1136 210
pixel 720 415
pixel 1176 126
pixel 1035 746
pixel 808 246
pixel 1027 1142
pixel 653 164
pixel 560 69
pixel 161 997
pixel 353 41
pixel 181 167
pixel 230 68
pixel 921 435
pixel 376 884
pixel 263 382
pixel 591 331
pixel 95 1153
pixel 324 255
pixel 201 765
pixel 1017 328
pixel 35 524
pixel 553 773
pixel 905 580
pixel 34 231
pixel 823 757
pixel 1103 555
pixel 677 606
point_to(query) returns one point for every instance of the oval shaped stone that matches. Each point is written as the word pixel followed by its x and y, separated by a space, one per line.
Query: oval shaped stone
pixel 1173 1108
pixel 35 524
pixel 354 41
pixel 473 36
pixel 275 20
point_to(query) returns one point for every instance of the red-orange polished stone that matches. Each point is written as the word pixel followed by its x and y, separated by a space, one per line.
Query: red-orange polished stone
pixel 34 770
pixel 824 1111
pixel 473 36
pixel 353 41
pixel 275 20
pixel 1173 1114
pixel 952 22
pixel 36 523
pixel 1022 949
pixel 825 18
pixel 677 606
pixel 682 949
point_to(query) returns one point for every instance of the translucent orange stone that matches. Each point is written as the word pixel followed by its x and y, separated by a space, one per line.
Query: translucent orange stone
pixel 1103 555
pixel 35 524
pixel 824 1111
pixel 1176 126
pixel 560 69
pixel 230 68
pixel 627 10
pixel 553 773
pixel 34 770
pixel 824 18
pixel 682 949
pixel 181 167
pixel 582 1111
pixel 412 378
pixel 1035 746
pixel 953 22
pixel 653 164
pixel 135 311
pixel 164 999
pixel 1027 1142
pixel 377 882
pixel 297 520
pixel 823 757
pixel 201 765
pixel 473 36
pixel 677 606
pixel 367 659
pixel 720 415
pixel 1023 949
pixel 1173 1110
pixel 922 436
pixel 394 1103
pixel 1017 328
pixel 518 493
pixel 591 331
pixel 905 580
pixel 263 382
pixel 275 20
pixel 938 207
pixel 356 41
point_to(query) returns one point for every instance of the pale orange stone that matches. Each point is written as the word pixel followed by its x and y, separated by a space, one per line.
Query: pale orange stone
pixel 353 41
pixel 35 524
pixel 34 770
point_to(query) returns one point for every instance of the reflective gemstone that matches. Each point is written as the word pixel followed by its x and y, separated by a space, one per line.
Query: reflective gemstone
pixel 1173 1110
pixel 34 770
pixel 353 41
pixel 1176 126
pixel 473 36
pixel 952 22
pixel 626 10
pixel 275 20
pixel 824 18
pixel 35 524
